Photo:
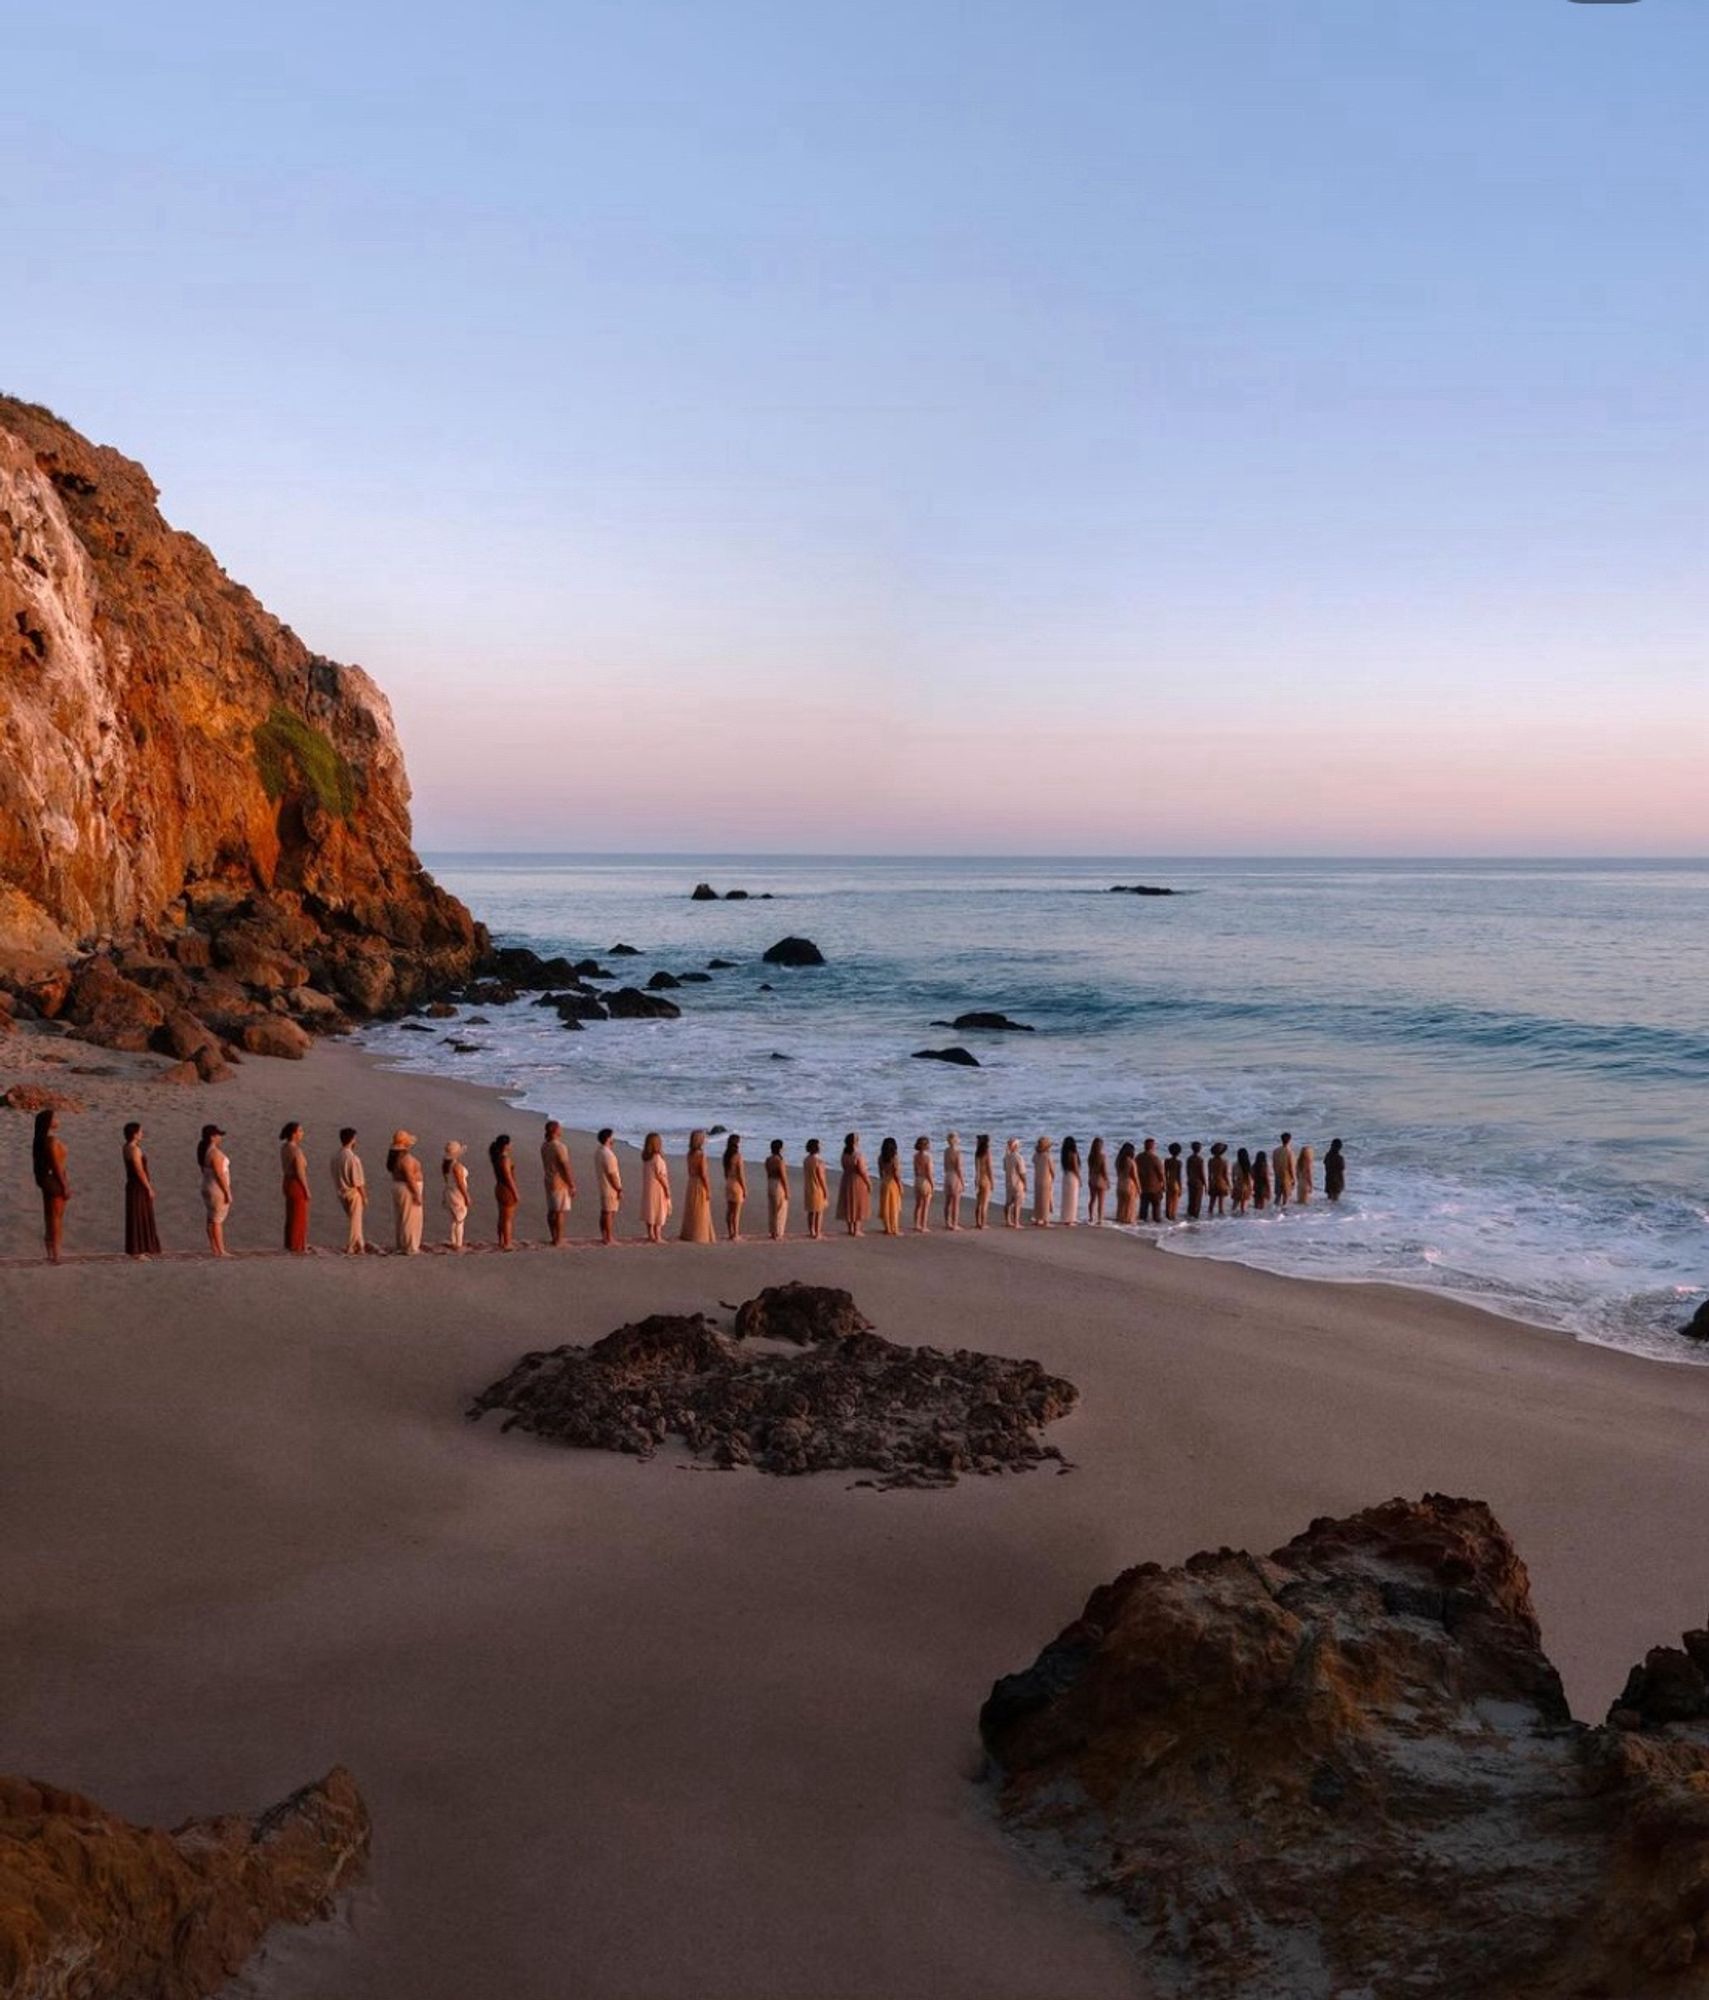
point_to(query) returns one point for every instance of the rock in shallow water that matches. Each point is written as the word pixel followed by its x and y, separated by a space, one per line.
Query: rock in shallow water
pixel 1349 1768
pixel 916 1416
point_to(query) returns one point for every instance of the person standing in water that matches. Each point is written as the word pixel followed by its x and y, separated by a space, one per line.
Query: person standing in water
pixel 1219 1178
pixel 1282 1170
pixel 1195 1180
pixel 1097 1182
pixel 142 1239
pixel 1260 1179
pixel 954 1181
pixel 1151 1183
pixel 1044 1183
pixel 350 1180
pixel 1070 1183
pixel 294 1174
pixel 1334 1171
pixel 777 1192
pixel 984 1179
pixel 697 1193
pixel 735 1187
pixel 890 1188
pixel 815 1190
pixel 454 1193
pixel 560 1180
pixel 1127 1184
pixel 610 1178
pixel 1172 1182
pixel 655 1188
pixel 1305 1173
pixel 216 1186
pixel 507 1196
pixel 923 1185
pixel 1242 1181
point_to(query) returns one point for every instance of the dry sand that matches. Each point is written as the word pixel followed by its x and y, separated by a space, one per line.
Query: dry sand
pixel 645 1730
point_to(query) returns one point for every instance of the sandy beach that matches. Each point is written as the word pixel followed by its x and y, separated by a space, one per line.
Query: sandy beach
pixel 645 1729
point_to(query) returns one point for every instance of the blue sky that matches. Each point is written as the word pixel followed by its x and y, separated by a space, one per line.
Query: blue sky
pixel 1214 425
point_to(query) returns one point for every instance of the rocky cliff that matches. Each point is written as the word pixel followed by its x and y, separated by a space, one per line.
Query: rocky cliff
pixel 180 776
pixel 1348 1768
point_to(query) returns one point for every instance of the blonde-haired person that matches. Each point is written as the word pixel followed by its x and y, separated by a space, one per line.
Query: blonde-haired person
pixel 1014 1184
pixel 890 1188
pixel 1044 1183
pixel 984 1179
pixel 735 1187
pixel 1305 1174
pixel 697 1193
pixel 405 1172
pixel 777 1192
pixel 1127 1184
pixel 1070 1183
pixel 815 1191
pixel 655 1188
pixel 923 1185
pixel 454 1193
pixel 954 1181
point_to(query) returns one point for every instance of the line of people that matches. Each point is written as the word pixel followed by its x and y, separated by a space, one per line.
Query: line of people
pixel 1141 1185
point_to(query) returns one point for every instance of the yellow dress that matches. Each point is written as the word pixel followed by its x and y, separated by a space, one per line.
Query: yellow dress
pixel 697 1203
pixel 890 1201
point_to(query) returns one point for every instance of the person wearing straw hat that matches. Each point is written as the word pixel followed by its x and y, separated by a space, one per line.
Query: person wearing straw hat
pixel 455 1192
pixel 350 1180
pixel 405 1171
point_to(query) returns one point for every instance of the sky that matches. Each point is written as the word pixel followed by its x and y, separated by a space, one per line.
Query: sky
pixel 1102 426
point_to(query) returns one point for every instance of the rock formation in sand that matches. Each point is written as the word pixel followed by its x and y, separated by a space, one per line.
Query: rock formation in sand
pixel 915 1416
pixel 182 778
pixel 93 1908
pixel 1349 1768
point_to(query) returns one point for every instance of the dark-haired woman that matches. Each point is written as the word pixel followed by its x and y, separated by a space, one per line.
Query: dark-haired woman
pixel 142 1238
pixel 1172 1181
pixel 815 1190
pixel 1260 1178
pixel 1097 1182
pixel 1218 1182
pixel 216 1186
pixel 1127 1184
pixel 854 1191
pixel 890 1188
pixel 1070 1183
pixel 984 1179
pixel 294 1171
pixel 776 1192
pixel 506 1194
pixel 1242 1189
pixel 1334 1171
pixel 47 1162
pixel 735 1187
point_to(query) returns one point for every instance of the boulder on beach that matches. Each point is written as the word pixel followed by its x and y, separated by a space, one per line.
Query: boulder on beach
pixel 1349 1767
pixel 800 1314
pixel 965 1058
pixel 986 1024
pixel 1697 1327
pixel 794 951
pixel 629 1003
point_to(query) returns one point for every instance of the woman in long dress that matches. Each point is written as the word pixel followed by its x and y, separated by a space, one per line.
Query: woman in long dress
pixel 142 1239
pixel 735 1187
pixel 697 1193
pixel 1014 1184
pixel 1070 1183
pixel 1127 1184
pixel 923 1185
pixel 216 1186
pixel 1241 1181
pixel 1305 1170
pixel 954 1181
pixel 294 1174
pixel 890 1188
pixel 1219 1180
pixel 984 1179
pixel 815 1190
pixel 1044 1184
pixel 454 1193
pixel 1097 1182
pixel 655 1188
pixel 47 1162
pixel 854 1191
pixel 403 1169
pixel 777 1192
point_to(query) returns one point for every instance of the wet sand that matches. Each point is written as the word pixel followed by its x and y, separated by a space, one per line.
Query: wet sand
pixel 645 1729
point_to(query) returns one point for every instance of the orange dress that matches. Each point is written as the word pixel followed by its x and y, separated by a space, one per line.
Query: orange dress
pixel 890 1197
pixel 697 1202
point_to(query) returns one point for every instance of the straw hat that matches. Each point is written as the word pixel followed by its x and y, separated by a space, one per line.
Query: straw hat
pixel 401 1139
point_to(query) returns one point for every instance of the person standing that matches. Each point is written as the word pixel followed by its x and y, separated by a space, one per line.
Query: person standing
pixel 854 1191
pixel 1305 1175
pixel 984 1179
pixel 1260 1178
pixel 216 1186
pixel 697 1193
pixel 294 1172
pixel 1172 1182
pixel 1151 1183
pixel 1219 1178
pixel 815 1190
pixel 1242 1181
pixel 560 1181
pixel 655 1188
pixel 142 1239
pixel 507 1196
pixel 1097 1183
pixel 924 1185
pixel 1127 1184
pixel 1070 1183
pixel 1044 1184
pixel 1196 1179
pixel 47 1162
pixel 890 1188
pixel 403 1169
pixel 776 1192
pixel 1014 1184
pixel 954 1181
pixel 454 1192
pixel 1334 1171
pixel 350 1180
pixel 735 1187
pixel 1282 1170
pixel 610 1178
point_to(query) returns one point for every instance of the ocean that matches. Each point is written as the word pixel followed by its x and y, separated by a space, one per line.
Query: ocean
pixel 1514 1053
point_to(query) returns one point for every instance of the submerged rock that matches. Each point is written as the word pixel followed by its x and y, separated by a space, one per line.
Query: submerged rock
pixel 916 1416
pixel 1349 1767
pixel 625 951
pixel 986 1023
pixel 663 982
pixel 964 1057
pixel 1140 889
pixel 629 1003
pixel 703 892
pixel 94 1908
pixel 794 951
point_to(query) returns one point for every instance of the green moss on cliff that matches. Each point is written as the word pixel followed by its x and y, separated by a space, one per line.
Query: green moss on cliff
pixel 287 746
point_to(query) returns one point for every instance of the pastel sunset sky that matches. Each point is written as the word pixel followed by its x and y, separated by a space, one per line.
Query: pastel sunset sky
pixel 1111 426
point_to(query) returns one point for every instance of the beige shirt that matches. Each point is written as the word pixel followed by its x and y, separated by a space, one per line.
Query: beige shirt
pixel 348 1175
pixel 610 1178
pixel 555 1159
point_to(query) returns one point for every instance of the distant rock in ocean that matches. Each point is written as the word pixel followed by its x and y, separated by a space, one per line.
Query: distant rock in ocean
pixel 629 1003
pixel 1349 1767
pixel 198 815
pixel 986 1023
pixel 794 951
pixel 1140 889
pixel 963 1058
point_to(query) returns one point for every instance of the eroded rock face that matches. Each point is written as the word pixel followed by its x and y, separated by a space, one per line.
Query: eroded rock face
pixel 1349 1768
pixel 916 1416
pixel 801 1314
pixel 178 772
pixel 93 1908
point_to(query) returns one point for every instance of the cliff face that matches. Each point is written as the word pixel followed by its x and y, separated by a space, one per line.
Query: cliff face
pixel 173 759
